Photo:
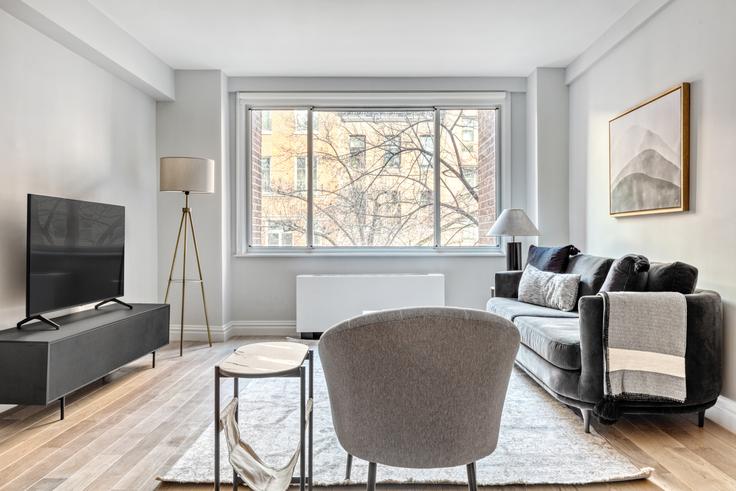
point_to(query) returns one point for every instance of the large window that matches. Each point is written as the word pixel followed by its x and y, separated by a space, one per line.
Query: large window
pixel 376 179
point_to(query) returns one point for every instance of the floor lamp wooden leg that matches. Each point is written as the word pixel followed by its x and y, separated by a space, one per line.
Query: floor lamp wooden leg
pixel 173 259
pixel 201 279
pixel 183 278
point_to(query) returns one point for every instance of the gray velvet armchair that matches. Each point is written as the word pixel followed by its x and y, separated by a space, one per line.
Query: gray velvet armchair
pixel 419 387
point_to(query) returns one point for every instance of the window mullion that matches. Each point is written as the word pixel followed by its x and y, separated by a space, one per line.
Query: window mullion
pixel 436 169
pixel 310 180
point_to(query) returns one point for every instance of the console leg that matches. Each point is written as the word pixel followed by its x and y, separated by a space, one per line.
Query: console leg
pixel 153 359
pixel 701 419
pixel 61 408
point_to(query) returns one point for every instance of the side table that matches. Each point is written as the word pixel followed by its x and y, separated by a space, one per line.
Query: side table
pixel 264 360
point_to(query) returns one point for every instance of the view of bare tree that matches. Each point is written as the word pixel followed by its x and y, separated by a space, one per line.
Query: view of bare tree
pixel 373 178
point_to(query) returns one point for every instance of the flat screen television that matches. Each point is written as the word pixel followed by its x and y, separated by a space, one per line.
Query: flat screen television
pixel 74 253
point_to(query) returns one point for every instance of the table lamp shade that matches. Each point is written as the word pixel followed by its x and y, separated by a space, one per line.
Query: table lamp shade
pixel 513 222
pixel 189 174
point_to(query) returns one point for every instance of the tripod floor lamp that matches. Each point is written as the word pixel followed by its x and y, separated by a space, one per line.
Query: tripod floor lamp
pixel 187 175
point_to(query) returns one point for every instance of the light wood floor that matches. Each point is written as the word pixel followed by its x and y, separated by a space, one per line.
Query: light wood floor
pixel 123 433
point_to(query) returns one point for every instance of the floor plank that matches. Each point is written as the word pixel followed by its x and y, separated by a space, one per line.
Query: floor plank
pixel 123 433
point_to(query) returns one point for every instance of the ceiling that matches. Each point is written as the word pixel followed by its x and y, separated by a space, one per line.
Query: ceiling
pixel 366 37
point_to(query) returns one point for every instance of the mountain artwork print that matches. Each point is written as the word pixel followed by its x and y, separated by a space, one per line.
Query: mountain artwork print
pixel 649 156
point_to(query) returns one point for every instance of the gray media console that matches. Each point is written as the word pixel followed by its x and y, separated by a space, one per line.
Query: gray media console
pixel 40 366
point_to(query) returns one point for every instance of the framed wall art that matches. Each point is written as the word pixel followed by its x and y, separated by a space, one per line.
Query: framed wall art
pixel 649 154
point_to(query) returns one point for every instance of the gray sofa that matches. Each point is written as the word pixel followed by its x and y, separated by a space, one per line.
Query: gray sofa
pixel 563 351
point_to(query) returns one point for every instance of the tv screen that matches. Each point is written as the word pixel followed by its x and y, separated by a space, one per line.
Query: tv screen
pixel 74 253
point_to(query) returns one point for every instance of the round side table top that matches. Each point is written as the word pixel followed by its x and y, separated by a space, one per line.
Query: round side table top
pixel 264 359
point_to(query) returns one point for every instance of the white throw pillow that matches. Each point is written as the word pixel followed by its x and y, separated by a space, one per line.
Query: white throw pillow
pixel 556 290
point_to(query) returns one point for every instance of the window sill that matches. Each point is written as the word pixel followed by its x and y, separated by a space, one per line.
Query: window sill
pixel 491 252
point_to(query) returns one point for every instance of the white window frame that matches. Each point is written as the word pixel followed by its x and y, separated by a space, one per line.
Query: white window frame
pixel 246 101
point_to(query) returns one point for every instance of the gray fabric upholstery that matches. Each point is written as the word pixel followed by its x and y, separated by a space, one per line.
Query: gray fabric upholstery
pixel 672 277
pixel 627 274
pixel 557 340
pixel 555 290
pixel 702 357
pixel 419 387
pixel 507 283
pixel 584 386
pixel 554 379
pixel 592 270
pixel 510 309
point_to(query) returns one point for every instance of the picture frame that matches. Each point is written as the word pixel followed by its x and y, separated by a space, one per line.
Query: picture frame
pixel 649 156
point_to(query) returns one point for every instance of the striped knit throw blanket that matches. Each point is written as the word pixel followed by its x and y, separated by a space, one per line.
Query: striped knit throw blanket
pixel 644 341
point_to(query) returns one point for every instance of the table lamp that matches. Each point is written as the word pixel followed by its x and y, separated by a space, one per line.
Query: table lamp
pixel 187 175
pixel 513 222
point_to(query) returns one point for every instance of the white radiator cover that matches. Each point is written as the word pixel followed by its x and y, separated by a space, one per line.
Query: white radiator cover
pixel 324 300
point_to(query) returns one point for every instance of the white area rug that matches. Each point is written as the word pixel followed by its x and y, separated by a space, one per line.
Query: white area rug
pixel 541 442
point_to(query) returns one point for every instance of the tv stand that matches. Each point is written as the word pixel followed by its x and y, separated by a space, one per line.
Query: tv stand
pixel 113 300
pixel 44 366
pixel 39 318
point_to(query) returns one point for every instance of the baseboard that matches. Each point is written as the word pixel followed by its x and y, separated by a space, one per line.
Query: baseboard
pixel 263 328
pixel 196 332
pixel 723 413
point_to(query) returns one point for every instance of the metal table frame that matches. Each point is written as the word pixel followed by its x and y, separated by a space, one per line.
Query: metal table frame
pixel 299 372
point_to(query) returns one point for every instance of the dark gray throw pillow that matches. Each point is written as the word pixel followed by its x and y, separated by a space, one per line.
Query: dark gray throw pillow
pixel 672 277
pixel 552 259
pixel 627 274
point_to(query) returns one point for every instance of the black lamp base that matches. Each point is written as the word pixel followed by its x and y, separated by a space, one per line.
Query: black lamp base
pixel 513 256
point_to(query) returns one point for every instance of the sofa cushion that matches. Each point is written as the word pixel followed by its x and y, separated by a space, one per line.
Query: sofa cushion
pixel 627 274
pixel 510 308
pixel 552 259
pixel 557 340
pixel 672 277
pixel 592 270
pixel 555 290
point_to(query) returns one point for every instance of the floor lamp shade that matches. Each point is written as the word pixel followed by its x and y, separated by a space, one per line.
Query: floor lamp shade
pixel 187 174
pixel 513 222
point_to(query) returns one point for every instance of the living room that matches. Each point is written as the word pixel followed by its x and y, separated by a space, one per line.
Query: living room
pixel 367 244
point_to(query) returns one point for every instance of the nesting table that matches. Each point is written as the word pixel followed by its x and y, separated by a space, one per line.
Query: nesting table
pixel 265 360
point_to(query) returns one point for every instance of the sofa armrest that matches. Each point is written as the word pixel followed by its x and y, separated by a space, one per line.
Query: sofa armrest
pixel 590 387
pixel 507 283
pixel 704 346
pixel 702 356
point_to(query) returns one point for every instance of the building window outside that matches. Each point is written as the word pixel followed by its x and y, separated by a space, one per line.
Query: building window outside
pixel 392 152
pixel 266 121
pixel 300 122
pixel 427 142
pixel 357 151
pixel 300 174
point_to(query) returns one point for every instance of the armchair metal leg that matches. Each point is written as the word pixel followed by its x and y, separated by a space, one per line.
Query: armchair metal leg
pixel 586 419
pixel 348 467
pixel 701 419
pixel 371 485
pixel 472 483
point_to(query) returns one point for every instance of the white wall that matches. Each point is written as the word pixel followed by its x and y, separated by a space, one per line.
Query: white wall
pixel 69 128
pixel 687 41
pixel 195 125
pixel 547 154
